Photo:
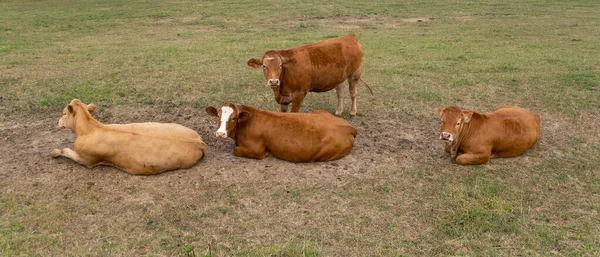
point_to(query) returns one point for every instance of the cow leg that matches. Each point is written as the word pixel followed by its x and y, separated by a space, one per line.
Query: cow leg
pixel 472 158
pixel 297 102
pixel 353 91
pixel 257 152
pixel 66 152
pixel 340 99
pixel 284 107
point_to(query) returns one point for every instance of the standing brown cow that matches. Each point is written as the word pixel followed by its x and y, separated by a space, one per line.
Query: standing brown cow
pixel 317 67
pixel 474 138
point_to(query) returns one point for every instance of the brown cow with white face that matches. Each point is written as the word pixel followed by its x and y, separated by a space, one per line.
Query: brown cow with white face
pixel 474 138
pixel 295 137
pixel 137 148
pixel 317 67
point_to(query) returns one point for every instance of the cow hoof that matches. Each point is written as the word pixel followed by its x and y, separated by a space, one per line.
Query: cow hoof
pixel 55 153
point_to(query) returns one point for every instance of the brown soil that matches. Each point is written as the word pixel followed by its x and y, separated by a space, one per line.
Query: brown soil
pixel 28 143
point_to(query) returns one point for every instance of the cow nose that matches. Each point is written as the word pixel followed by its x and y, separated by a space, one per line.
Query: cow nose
pixel 446 136
pixel 273 82
pixel 221 134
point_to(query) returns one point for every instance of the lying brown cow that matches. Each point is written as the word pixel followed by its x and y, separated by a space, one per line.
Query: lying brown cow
pixel 474 138
pixel 317 67
pixel 138 148
pixel 295 137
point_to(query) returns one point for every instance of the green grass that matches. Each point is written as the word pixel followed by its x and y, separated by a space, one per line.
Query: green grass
pixel 171 55
pixel 170 49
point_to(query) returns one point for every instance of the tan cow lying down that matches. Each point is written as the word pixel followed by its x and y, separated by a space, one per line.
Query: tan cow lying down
pixel 474 138
pixel 138 148
pixel 317 67
pixel 295 137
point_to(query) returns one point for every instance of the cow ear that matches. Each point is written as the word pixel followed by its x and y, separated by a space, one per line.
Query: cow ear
pixel 254 63
pixel 70 108
pixel 467 116
pixel 212 111
pixel 286 60
pixel 440 111
pixel 243 116
pixel 91 108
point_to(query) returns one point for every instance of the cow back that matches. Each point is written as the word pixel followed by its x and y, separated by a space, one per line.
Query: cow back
pixel 144 148
pixel 507 132
pixel 298 137
pixel 323 65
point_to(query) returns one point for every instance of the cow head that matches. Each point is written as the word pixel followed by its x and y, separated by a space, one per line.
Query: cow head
pixel 229 116
pixel 68 115
pixel 273 64
pixel 452 121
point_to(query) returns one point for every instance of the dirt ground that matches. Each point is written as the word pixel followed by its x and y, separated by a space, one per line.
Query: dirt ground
pixel 29 141
pixel 86 198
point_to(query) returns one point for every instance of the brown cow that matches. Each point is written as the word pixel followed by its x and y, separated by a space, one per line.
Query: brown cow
pixel 295 137
pixel 137 148
pixel 317 67
pixel 474 138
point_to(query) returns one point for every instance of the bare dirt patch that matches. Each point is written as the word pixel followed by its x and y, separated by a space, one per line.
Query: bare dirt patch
pixel 335 23
pixel 422 19
pixel 226 200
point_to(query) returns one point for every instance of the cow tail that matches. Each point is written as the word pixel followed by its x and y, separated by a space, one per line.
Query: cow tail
pixel 369 87
pixel 349 129
pixel 204 149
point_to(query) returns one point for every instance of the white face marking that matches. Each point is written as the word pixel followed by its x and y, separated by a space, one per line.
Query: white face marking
pixel 225 114
pixel 270 58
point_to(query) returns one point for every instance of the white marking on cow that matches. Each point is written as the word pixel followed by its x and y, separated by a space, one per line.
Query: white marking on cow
pixel 225 114
pixel 270 58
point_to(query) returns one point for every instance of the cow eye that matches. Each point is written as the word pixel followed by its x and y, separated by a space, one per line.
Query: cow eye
pixel 458 123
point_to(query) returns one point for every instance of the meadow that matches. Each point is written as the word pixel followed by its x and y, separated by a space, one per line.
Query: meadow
pixel 396 194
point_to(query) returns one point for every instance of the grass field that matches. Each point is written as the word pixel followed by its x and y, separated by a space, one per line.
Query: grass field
pixel 396 194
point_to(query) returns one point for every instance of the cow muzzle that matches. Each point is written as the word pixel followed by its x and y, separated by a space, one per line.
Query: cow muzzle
pixel 446 136
pixel 221 134
pixel 273 82
pixel 61 123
